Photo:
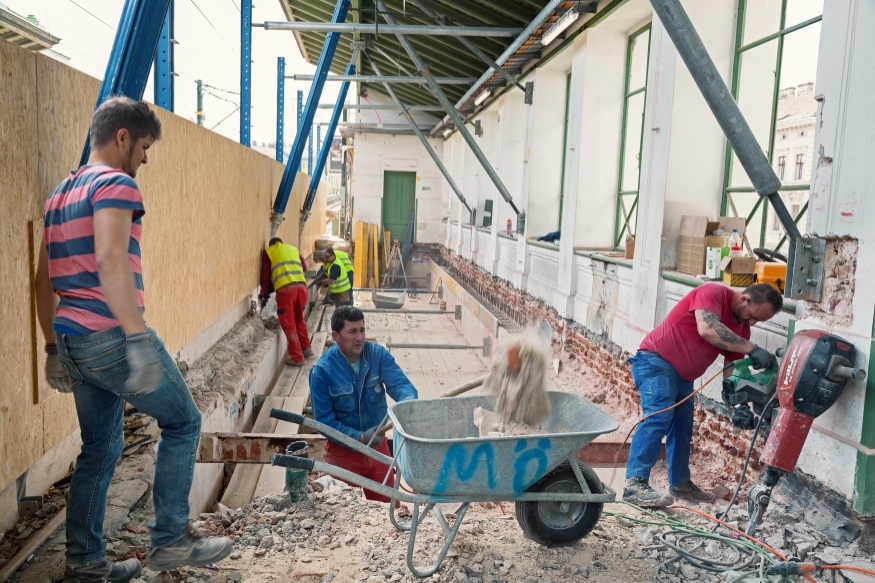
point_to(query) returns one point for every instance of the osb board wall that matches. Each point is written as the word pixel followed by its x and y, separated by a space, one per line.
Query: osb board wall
pixel 207 200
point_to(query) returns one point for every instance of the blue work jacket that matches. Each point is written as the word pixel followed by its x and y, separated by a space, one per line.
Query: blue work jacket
pixel 353 403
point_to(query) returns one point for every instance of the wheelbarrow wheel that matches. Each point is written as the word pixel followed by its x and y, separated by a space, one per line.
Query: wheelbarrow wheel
pixel 557 524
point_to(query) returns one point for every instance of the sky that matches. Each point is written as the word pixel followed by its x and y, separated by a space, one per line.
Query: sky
pixel 208 32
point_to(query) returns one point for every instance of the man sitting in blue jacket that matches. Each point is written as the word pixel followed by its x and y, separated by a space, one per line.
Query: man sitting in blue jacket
pixel 348 388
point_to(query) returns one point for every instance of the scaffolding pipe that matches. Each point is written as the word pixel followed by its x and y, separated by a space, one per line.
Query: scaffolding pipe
pixel 245 73
pixel 387 78
pixel 454 115
pixel 508 53
pixel 383 106
pixel 353 27
pixel 718 97
pixel 280 105
pixel 420 135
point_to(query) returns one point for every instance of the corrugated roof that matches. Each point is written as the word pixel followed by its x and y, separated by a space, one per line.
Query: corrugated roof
pixel 24 33
pixel 444 56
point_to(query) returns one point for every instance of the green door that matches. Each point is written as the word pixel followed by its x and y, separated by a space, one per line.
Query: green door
pixel 399 197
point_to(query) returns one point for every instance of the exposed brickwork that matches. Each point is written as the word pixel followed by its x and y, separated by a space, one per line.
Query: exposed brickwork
pixel 604 362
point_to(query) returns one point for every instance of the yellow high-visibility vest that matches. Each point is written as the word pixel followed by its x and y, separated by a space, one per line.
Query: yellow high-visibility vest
pixel 341 284
pixel 344 256
pixel 285 265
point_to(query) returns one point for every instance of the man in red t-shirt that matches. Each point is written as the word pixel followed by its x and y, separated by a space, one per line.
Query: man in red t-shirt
pixel 711 320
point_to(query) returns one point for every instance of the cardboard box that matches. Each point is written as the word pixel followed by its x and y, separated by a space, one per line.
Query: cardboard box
pixel 697 234
pixel 713 257
pixel 738 271
pixel 630 246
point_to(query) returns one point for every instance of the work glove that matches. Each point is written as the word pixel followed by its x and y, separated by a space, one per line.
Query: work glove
pixel 372 433
pixel 263 301
pixel 743 417
pixel 761 357
pixel 56 373
pixel 144 365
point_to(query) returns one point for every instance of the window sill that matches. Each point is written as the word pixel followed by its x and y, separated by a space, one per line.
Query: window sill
pixel 693 281
pixel 543 245
pixel 606 256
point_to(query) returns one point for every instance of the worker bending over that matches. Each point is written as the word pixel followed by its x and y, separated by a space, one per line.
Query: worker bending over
pixel 90 304
pixel 711 320
pixel 338 276
pixel 348 388
pixel 282 269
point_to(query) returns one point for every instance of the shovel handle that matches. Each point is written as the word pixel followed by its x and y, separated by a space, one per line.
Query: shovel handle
pixel 472 384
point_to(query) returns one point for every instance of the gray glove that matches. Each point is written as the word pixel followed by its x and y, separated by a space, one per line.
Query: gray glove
pixel 56 373
pixel 762 358
pixel 372 433
pixel 145 367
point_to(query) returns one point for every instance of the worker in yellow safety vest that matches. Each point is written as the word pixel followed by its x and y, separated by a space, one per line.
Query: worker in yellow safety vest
pixel 282 270
pixel 338 276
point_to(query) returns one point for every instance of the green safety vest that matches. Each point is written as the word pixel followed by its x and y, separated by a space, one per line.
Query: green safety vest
pixel 285 262
pixel 341 284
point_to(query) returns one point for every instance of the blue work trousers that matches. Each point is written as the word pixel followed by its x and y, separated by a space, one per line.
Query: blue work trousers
pixel 98 367
pixel 660 386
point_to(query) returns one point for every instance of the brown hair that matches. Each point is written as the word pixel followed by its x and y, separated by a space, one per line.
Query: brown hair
pixel 117 113
pixel 764 293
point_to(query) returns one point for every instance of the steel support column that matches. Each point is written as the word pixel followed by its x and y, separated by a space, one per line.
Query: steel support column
pixel 310 151
pixel 280 105
pixel 285 188
pixel 325 148
pixel 421 136
pixel 454 115
pixel 245 71
pixel 133 51
pixel 162 81
pixel 298 120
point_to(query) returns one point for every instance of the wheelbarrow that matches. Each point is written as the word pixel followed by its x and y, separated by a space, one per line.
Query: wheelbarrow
pixel 441 455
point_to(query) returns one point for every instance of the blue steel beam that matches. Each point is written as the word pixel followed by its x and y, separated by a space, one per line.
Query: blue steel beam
pixel 280 105
pixel 306 121
pixel 310 152
pixel 318 143
pixel 298 120
pixel 133 51
pixel 326 147
pixel 245 71
pixel 163 78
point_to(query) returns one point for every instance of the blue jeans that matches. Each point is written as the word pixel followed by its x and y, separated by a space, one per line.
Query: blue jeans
pixel 660 386
pixel 98 367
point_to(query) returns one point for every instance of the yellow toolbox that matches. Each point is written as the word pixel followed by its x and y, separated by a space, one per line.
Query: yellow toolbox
pixel 774 274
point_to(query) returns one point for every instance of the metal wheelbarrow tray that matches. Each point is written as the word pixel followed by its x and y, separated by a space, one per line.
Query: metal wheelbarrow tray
pixel 440 454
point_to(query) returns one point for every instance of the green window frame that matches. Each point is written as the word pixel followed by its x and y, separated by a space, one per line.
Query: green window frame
pixel 627 194
pixel 564 147
pixel 731 194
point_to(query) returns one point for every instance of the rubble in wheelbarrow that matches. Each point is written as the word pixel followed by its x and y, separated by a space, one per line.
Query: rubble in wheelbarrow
pixel 490 425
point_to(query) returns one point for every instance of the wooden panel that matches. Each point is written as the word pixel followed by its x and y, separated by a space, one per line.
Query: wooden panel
pixel 360 259
pixel 375 251
pixel 41 389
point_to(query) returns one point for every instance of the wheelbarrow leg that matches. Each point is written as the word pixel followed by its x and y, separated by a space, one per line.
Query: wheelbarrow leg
pixel 450 532
pixel 392 519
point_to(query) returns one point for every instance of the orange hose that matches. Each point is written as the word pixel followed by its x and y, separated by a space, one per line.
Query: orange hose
pixel 744 534
pixel 849 568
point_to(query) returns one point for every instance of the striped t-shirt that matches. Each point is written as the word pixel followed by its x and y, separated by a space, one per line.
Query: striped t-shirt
pixel 69 238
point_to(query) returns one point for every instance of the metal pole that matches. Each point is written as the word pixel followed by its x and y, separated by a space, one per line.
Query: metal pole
pixel 298 119
pixel 718 97
pixel 280 105
pixel 163 79
pixel 382 106
pixel 200 102
pixel 421 136
pixel 324 27
pixel 325 148
pixel 310 151
pixel 294 161
pixel 245 71
pixel 389 78
pixel 454 115
pixel 133 50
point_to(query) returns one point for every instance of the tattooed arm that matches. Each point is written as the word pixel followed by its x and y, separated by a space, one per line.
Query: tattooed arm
pixel 715 332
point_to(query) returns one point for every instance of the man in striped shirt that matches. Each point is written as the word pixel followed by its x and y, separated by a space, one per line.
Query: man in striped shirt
pixel 90 304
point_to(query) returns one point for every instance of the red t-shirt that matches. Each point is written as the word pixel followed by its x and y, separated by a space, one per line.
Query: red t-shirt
pixel 677 338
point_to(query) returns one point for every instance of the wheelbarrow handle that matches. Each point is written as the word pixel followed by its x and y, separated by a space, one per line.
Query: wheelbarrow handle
pixel 292 461
pixel 287 416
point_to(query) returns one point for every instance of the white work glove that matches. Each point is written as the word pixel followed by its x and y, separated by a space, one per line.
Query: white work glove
pixel 370 434
pixel 144 365
pixel 56 373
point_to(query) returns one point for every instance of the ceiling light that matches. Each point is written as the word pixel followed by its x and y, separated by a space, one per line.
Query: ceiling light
pixel 563 23
pixel 447 132
pixel 482 97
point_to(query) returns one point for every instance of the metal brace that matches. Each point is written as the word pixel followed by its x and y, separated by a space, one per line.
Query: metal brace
pixel 363 44
pixel 530 92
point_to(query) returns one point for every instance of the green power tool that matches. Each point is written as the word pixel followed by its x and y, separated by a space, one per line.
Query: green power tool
pixel 744 386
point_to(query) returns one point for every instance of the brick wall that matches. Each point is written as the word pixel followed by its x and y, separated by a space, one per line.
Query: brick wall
pixel 604 362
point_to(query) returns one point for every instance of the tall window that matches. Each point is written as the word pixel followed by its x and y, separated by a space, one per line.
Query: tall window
pixel 800 166
pixel 637 57
pixel 773 82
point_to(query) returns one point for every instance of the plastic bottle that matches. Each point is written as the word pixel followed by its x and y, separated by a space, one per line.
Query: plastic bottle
pixel 509 227
pixel 735 244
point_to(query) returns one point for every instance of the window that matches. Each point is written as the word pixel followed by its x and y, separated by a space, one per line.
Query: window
pixel 631 136
pixel 775 66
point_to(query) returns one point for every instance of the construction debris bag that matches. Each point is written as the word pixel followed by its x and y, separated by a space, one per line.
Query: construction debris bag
pixel 518 380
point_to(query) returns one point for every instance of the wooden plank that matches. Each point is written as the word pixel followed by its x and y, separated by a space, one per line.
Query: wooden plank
pixel 315 318
pixel 387 249
pixel 360 259
pixel 376 255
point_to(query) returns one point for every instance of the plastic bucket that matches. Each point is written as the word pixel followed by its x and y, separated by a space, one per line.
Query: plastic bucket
pixel 296 480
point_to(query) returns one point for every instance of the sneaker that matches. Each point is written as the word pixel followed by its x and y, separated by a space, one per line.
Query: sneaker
pixel 190 551
pixel 690 491
pixel 103 571
pixel 638 491
pixel 287 360
pixel 308 353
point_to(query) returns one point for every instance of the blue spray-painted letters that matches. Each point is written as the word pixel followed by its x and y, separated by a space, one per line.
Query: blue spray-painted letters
pixel 456 456
pixel 521 465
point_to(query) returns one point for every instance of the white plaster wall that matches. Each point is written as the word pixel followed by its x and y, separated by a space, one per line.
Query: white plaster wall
pixel 484 249
pixel 488 144
pixel 506 259
pixel 544 274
